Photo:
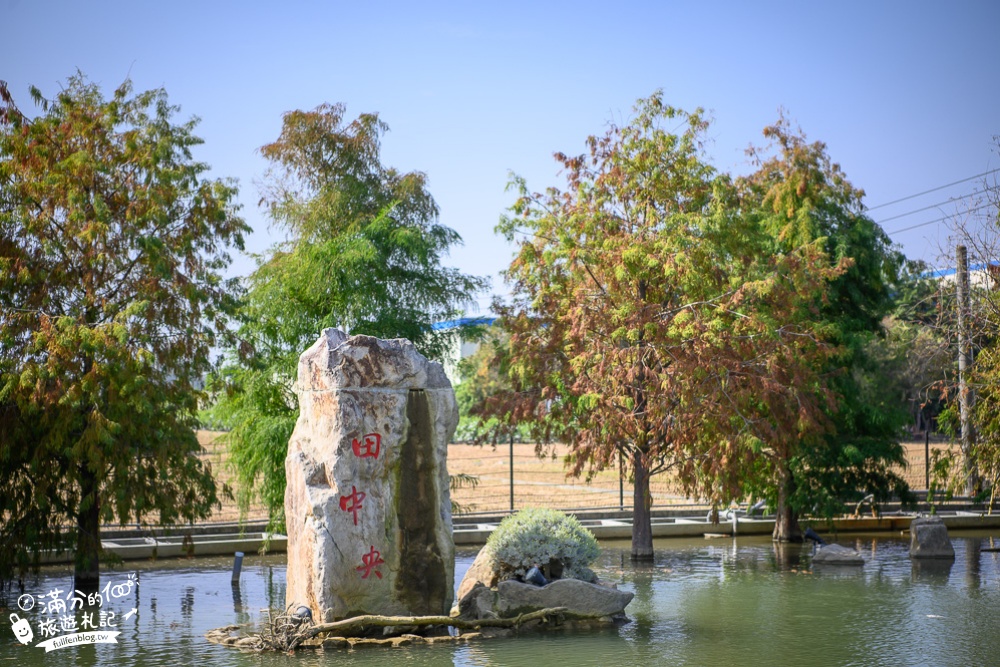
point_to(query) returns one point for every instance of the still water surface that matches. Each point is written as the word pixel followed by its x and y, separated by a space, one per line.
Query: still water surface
pixel 707 602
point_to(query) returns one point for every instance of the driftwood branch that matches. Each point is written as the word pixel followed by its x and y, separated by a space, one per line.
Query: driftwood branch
pixel 357 623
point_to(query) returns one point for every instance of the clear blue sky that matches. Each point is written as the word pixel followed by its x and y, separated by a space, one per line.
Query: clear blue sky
pixel 905 94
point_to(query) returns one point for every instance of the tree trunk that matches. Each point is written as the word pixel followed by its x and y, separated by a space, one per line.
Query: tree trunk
pixel 86 573
pixel 642 502
pixel 786 522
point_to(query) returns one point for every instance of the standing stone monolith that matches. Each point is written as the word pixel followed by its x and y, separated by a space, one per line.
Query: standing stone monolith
pixel 367 503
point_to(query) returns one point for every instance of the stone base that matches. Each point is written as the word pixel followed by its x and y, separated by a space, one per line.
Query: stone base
pixel 582 600
pixel 834 554
pixel 929 539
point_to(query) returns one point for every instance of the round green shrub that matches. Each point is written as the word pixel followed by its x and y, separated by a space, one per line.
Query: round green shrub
pixel 543 537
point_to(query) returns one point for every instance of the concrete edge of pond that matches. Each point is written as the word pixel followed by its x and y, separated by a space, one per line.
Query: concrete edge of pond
pixel 140 545
pixel 470 534
pixel 180 546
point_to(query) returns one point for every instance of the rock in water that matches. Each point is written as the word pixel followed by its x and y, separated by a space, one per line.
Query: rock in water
pixel 367 503
pixel 834 554
pixel 478 603
pixel 581 600
pixel 929 539
pixel 482 571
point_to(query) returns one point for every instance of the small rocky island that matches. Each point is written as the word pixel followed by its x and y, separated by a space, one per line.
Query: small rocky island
pixel 368 513
pixel 538 559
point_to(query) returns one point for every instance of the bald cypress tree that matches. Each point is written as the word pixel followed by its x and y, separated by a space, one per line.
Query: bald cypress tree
pixel 111 297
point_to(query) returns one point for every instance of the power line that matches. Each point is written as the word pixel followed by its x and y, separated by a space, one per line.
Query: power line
pixel 927 208
pixel 940 187
pixel 947 217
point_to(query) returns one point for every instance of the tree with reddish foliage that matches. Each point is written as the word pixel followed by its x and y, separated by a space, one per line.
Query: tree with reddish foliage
pixel 653 316
pixel 111 298
pixel 800 196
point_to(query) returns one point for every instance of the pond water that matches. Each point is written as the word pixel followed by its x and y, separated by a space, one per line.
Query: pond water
pixel 723 602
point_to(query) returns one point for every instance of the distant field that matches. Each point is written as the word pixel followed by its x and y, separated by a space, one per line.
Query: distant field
pixel 217 455
pixel 914 472
pixel 543 482
pixel 537 481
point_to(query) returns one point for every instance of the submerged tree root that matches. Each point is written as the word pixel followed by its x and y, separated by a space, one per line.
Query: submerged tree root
pixel 283 632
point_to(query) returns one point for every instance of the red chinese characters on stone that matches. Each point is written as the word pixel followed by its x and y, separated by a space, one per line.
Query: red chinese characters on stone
pixel 371 560
pixel 352 502
pixel 369 447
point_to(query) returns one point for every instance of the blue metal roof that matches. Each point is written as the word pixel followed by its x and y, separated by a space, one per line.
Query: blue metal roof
pixel 463 322
pixel 942 273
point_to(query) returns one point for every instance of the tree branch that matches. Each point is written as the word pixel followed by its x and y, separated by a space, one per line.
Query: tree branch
pixel 349 626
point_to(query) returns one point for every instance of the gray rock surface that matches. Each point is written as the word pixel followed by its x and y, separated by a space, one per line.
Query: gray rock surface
pixel 581 599
pixel 929 539
pixel 479 602
pixel 367 502
pixel 485 570
pixel 835 554
pixel 482 571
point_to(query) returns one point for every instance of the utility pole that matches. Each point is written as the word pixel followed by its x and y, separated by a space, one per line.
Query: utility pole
pixel 621 481
pixel 965 398
pixel 512 472
pixel 927 456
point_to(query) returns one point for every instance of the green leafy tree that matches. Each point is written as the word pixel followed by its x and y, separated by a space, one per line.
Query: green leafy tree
pixel 364 253
pixel 918 295
pixel 987 419
pixel 111 297
pixel 918 364
pixel 651 317
pixel 803 197
pixel 483 375
pixel 979 232
pixel 919 345
pixel 480 376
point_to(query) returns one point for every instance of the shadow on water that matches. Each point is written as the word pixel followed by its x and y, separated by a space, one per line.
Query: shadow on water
pixel 237 598
pixel 973 560
pixel 933 571
pixel 789 556
pixel 642 577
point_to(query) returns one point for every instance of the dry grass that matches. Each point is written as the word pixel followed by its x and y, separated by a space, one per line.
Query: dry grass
pixel 538 482
pixel 541 482
pixel 915 457
pixel 217 455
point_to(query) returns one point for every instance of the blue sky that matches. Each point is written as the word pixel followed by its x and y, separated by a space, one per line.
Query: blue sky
pixel 905 94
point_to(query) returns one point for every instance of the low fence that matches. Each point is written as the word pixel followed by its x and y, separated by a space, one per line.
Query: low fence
pixel 512 477
pixel 508 478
